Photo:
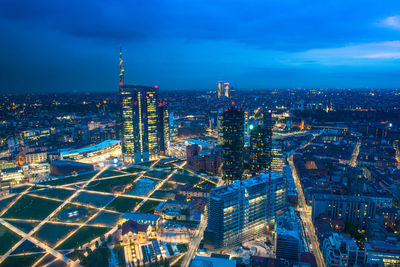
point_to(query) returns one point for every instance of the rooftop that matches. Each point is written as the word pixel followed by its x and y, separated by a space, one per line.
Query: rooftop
pixel 89 149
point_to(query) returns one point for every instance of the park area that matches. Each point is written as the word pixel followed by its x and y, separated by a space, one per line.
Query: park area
pixel 81 210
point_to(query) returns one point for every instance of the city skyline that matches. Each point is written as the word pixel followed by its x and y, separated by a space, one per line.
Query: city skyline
pixel 260 45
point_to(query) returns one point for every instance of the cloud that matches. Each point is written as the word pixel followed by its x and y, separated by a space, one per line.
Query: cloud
pixel 352 54
pixel 392 22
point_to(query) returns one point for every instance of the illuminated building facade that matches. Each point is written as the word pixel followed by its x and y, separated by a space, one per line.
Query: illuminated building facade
pixel 226 90
pixel 354 209
pixel 95 153
pixel 140 129
pixel 232 126
pixel 260 145
pixel 278 160
pixel 220 89
pixel 242 210
pixel 139 123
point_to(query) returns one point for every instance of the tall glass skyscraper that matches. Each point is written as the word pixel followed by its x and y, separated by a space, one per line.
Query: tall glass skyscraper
pixel 232 127
pixel 163 129
pixel 139 123
pixel 260 145
pixel 140 134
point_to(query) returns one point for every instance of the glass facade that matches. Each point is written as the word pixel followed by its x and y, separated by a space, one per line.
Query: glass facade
pixel 241 210
pixel 232 126
pixel 140 123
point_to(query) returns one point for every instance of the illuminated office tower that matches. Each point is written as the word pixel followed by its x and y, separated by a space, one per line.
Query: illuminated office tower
pixel 260 145
pixel 139 123
pixel 139 116
pixel 241 210
pixel 278 160
pixel 226 90
pixel 232 143
pixel 163 128
pixel 150 120
pixel 220 89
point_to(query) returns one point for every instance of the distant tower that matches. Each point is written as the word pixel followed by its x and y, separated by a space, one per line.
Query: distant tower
pixel 226 87
pixel 220 88
pixel 121 68
pixel 232 144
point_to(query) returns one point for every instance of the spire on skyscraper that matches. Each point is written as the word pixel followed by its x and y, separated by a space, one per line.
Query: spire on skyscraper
pixel 121 72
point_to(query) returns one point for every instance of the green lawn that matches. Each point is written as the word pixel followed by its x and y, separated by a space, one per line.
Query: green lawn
pixel 158 174
pixel 19 189
pixel 23 226
pixel 71 179
pixel 5 202
pixel 108 184
pixel 184 178
pixel 106 218
pixel 28 207
pixel 51 233
pixel 93 199
pixel 21 261
pixel 205 183
pixel 163 194
pixel 123 204
pixel 134 169
pixel 89 213
pixel 147 163
pixel 168 186
pixel 61 194
pixel 82 236
pixel 164 165
pixel 109 173
pixel 148 206
pixel 7 239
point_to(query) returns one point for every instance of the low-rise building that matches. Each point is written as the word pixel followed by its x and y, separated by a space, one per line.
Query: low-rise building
pixel 341 250
pixel 383 253
pixel 95 153
pixel 354 209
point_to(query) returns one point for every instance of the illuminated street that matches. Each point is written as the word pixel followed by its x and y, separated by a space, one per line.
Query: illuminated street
pixel 305 214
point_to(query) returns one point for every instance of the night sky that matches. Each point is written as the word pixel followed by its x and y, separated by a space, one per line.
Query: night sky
pixel 73 46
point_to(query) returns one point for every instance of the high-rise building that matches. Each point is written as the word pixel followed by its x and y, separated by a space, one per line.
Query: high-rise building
pixel 163 128
pixel 241 210
pixel 260 145
pixel 140 121
pixel 232 127
pixel 278 159
pixel 220 89
pixel 226 90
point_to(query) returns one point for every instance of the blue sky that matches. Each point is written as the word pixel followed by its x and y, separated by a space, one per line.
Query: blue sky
pixel 65 46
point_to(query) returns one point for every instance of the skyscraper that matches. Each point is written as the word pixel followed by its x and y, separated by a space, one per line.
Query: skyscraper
pixel 220 89
pixel 260 145
pixel 140 121
pixel 163 128
pixel 232 126
pixel 226 89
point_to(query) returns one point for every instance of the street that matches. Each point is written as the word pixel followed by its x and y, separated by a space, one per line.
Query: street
pixel 305 214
